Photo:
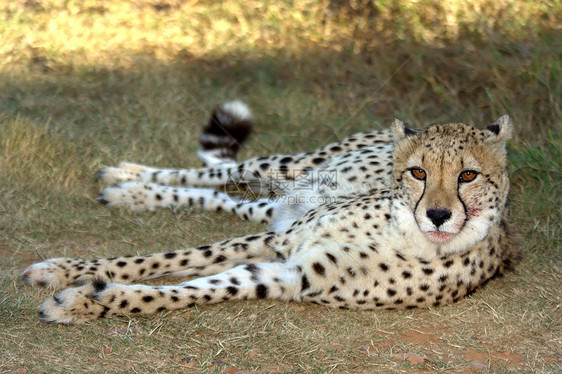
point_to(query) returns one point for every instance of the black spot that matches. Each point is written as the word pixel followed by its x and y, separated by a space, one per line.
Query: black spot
pixel 254 270
pixel 424 287
pixel 466 261
pixel 448 263
pixel 406 274
pixel 318 160
pixel 391 292
pixel 319 269
pixel 147 299
pixel 170 255
pixel 495 128
pixel 332 258
pixel 219 259
pixel 261 291
pixel 427 271
pixel 99 284
pixel 135 310
pixel 305 284
pixel 208 253
pixel 121 264
pixel 232 290
pixel 399 255
pixel 139 260
pixel 383 266
pixel 184 262
pixel 123 304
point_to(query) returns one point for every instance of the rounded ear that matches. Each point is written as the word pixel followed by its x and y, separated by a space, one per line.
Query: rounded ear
pixel 400 130
pixel 500 131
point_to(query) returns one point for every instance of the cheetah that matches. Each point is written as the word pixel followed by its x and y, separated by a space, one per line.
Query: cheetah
pixel 412 218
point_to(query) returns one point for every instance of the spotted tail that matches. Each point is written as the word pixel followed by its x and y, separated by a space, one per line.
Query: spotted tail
pixel 229 126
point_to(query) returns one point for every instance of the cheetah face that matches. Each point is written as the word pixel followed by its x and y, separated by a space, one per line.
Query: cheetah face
pixel 453 181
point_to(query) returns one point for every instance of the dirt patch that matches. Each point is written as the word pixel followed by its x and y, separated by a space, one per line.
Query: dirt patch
pixel 492 360
pixel 422 337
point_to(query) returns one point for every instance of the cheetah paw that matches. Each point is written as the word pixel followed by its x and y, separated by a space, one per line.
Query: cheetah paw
pixel 137 196
pixel 73 305
pixel 52 273
pixel 124 172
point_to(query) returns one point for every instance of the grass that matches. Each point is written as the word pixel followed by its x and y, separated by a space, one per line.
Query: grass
pixel 86 84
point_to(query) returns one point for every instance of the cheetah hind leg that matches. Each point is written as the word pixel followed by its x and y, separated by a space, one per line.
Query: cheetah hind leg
pixel 200 261
pixel 99 299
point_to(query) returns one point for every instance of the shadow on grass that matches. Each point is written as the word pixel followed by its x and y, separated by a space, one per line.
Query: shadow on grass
pixel 377 79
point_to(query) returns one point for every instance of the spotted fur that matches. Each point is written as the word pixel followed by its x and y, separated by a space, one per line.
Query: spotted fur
pixel 404 225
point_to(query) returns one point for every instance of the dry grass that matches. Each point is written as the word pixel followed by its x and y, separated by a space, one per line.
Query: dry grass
pixel 85 84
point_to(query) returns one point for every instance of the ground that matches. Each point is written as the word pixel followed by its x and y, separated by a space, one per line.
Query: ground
pixel 87 84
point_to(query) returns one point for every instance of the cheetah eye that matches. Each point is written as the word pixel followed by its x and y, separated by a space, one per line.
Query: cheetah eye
pixel 467 176
pixel 418 173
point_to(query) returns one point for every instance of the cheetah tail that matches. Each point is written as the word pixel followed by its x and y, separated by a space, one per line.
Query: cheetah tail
pixel 229 126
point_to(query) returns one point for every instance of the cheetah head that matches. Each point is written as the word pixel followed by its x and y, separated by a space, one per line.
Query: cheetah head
pixel 450 181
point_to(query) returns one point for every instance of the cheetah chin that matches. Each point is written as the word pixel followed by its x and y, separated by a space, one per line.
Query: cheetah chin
pixel 395 218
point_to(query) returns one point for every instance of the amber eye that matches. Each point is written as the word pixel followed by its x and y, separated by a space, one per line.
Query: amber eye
pixel 418 174
pixel 467 176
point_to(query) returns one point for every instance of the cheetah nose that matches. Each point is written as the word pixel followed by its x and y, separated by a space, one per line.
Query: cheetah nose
pixel 438 216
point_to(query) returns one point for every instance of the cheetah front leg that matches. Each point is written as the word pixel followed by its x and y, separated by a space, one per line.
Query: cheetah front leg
pixel 204 260
pixel 130 172
pixel 100 299
pixel 148 196
pixel 255 170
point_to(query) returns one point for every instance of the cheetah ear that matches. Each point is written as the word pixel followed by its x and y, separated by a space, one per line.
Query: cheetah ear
pixel 400 130
pixel 500 131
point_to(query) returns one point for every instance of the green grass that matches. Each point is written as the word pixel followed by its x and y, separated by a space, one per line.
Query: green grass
pixel 86 84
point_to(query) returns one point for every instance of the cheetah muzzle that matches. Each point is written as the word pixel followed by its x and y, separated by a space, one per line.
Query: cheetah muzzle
pixel 389 219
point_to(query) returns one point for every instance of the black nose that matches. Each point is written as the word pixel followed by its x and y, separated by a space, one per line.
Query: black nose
pixel 438 216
